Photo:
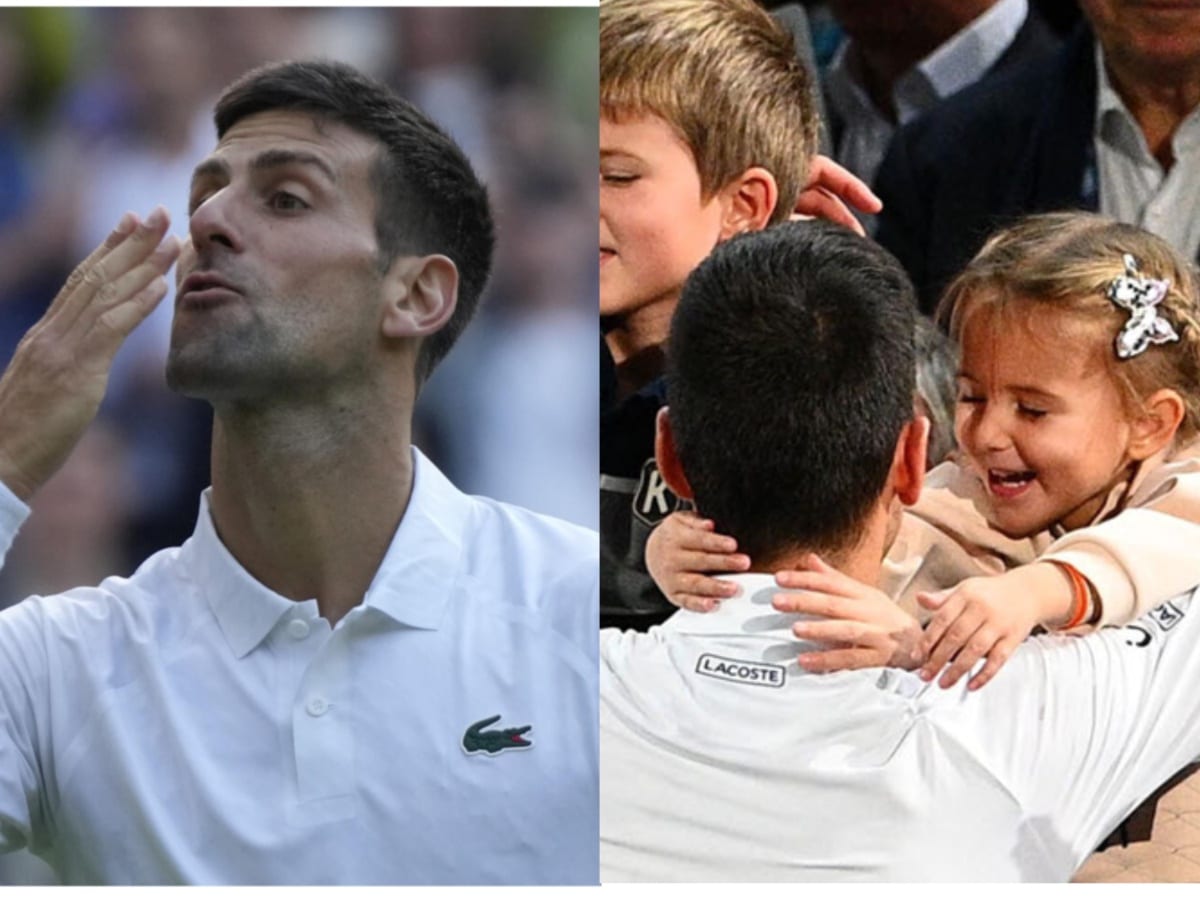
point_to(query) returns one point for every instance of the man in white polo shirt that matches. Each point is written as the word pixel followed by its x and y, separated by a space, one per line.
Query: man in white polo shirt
pixel 351 672
pixel 790 423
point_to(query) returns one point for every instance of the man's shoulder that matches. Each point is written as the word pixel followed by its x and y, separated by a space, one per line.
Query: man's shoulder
pixel 544 543
pixel 159 578
pixel 535 567
pixel 96 627
pixel 981 115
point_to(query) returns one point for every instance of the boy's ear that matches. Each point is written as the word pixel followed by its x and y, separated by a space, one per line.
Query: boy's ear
pixel 1157 424
pixel 749 200
pixel 420 293
pixel 664 454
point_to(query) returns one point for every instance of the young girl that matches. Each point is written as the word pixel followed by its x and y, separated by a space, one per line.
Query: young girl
pixel 1078 469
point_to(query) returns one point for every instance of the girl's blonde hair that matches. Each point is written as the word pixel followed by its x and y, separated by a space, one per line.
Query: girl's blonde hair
pixel 1066 262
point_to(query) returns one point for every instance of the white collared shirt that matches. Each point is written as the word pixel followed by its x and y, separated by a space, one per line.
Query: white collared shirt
pixel 1133 186
pixel 960 61
pixel 188 725
pixel 722 760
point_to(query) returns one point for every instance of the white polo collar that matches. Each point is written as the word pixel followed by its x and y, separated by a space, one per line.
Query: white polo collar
pixel 413 586
pixel 970 53
pixel 749 614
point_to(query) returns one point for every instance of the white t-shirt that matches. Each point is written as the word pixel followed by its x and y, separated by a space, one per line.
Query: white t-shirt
pixel 722 760
pixel 189 725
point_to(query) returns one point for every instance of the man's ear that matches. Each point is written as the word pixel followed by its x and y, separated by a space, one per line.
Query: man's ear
pixel 748 202
pixel 908 463
pixel 664 454
pixel 1155 427
pixel 421 293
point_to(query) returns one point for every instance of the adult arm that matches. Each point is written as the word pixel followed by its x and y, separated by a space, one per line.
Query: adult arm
pixel 832 191
pixel 49 394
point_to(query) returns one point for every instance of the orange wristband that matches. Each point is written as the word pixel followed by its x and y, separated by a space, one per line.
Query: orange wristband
pixel 1079 608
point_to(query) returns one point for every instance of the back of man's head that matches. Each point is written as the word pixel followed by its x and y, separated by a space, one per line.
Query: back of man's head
pixel 724 75
pixel 430 199
pixel 790 379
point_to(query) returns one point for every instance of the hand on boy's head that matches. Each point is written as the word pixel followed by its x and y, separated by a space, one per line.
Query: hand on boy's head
pixel 681 550
pixel 831 191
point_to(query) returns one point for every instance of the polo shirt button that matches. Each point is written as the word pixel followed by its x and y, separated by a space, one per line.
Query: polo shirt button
pixel 317 706
pixel 298 629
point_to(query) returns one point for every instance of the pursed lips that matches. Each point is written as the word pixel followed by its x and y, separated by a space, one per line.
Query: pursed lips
pixel 203 289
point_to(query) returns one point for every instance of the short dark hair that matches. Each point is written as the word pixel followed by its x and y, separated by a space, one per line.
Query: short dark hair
pixel 790 377
pixel 430 199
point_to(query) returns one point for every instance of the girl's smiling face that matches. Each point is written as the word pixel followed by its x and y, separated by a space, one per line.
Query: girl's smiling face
pixel 1039 417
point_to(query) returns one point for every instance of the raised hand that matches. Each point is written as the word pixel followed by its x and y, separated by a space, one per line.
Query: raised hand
pixel 52 389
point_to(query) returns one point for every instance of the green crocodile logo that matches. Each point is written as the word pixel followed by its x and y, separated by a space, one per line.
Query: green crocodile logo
pixel 476 740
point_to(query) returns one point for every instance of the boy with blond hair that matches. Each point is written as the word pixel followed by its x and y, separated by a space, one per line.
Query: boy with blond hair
pixel 707 129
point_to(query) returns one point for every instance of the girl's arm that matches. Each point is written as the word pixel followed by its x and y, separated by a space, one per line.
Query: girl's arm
pixel 1147 553
pixel 1139 558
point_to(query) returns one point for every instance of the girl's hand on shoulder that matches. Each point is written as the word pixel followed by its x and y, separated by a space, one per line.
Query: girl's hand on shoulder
pixel 862 626
pixel 987 617
pixel 681 550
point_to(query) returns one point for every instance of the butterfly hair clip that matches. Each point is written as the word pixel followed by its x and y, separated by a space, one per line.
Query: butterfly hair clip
pixel 1140 297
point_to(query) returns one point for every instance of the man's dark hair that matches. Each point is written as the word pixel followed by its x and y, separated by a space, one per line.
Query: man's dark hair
pixel 790 377
pixel 430 199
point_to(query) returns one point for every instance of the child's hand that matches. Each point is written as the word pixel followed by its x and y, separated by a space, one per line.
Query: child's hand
pixel 681 549
pixel 863 624
pixel 989 616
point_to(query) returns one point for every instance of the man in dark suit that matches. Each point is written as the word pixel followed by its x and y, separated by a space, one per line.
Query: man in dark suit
pixel 904 57
pixel 1062 133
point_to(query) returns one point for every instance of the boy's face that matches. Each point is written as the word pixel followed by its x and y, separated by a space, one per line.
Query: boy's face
pixel 655 227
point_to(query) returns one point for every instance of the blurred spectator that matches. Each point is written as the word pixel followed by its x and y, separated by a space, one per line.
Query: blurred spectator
pixel 75 533
pixel 34 216
pixel 901 58
pixel 937 371
pixel 1108 124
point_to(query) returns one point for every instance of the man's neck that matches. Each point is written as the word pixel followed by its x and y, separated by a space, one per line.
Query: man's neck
pixel 1158 101
pixel 308 500
pixel 862 562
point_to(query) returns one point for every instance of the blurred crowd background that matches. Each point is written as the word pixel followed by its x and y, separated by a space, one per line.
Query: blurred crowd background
pixel 107 110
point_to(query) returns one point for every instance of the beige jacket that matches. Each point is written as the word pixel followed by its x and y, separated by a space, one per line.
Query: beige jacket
pixel 1142 549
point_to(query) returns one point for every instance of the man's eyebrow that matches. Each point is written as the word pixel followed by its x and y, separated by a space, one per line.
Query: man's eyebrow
pixel 210 168
pixel 270 159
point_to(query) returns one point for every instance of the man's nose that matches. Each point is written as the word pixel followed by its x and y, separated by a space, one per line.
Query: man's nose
pixel 212 222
